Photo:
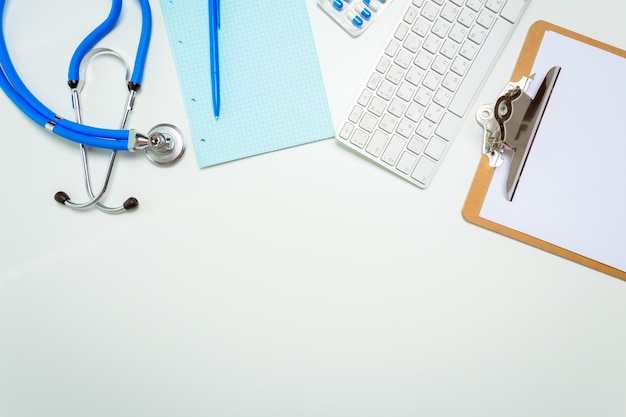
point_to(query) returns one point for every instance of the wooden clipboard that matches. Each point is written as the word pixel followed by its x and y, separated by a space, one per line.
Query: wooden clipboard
pixel 484 174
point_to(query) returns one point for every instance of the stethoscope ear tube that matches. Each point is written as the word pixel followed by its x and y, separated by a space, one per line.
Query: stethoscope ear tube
pixel 73 74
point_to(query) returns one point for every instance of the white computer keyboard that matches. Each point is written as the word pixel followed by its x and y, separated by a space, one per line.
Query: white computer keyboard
pixel 409 110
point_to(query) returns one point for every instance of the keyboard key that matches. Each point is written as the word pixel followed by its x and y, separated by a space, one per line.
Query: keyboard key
pixel 460 65
pixel 346 130
pixel 429 11
pixel 423 170
pixel 423 96
pixel 386 90
pixel 486 18
pixel 449 48
pixel 377 106
pixel 406 91
pixel 355 114
pixel 377 144
pixel 431 81
pixel 414 75
pixel 477 34
pixel 469 50
pixel 374 81
pixel 395 147
pixel 365 97
pixel 406 162
pixel 397 107
pixel 443 97
pixel 403 58
pixel 421 27
pixel 494 5
pixel 435 148
pixel 405 128
pixel 423 59
pixel 368 122
pixel 383 64
pixel 388 123
pixel 359 138
pixel 451 82
pixel 412 43
pixel 434 113
pixel 401 32
pixel 395 74
pixel 392 48
pixel 414 112
pixel 440 64
pixel 432 43
pixel 410 15
pixel 441 28
pixel 458 33
pixel 416 145
pixel 425 128
pixel 474 4
pixel 449 12
pixel 513 9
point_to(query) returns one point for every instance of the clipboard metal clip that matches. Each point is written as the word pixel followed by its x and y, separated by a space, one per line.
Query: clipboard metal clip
pixel 512 123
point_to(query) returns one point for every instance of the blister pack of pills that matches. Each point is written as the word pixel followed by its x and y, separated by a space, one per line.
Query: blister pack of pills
pixel 354 15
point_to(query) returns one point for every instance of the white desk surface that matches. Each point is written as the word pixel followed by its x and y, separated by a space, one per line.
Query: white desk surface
pixel 306 282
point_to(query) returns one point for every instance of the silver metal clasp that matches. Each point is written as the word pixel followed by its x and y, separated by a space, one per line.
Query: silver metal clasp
pixel 493 116
pixel 512 123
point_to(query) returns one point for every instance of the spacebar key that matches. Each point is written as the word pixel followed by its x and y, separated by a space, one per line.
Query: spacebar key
pixel 479 68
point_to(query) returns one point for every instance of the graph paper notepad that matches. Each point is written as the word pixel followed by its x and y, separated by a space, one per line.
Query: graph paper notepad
pixel 272 92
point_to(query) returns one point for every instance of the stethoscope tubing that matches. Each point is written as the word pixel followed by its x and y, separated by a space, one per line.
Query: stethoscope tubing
pixel 92 39
pixel 58 128
pixel 17 91
pixel 144 43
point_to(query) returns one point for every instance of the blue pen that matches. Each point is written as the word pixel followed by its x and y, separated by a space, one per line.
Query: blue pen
pixel 214 25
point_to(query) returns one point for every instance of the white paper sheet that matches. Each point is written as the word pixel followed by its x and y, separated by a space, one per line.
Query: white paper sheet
pixel 572 192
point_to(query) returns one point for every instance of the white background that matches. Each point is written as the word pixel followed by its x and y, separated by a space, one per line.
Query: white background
pixel 306 282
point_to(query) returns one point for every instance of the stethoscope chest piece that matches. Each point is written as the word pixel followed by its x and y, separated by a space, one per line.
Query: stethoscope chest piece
pixel 166 145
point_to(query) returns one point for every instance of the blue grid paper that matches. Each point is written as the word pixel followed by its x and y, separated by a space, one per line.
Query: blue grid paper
pixel 272 91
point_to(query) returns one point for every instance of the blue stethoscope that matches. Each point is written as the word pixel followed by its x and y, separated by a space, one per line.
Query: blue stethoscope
pixel 164 144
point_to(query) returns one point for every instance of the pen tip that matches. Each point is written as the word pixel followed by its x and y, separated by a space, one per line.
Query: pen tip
pixel 217 117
